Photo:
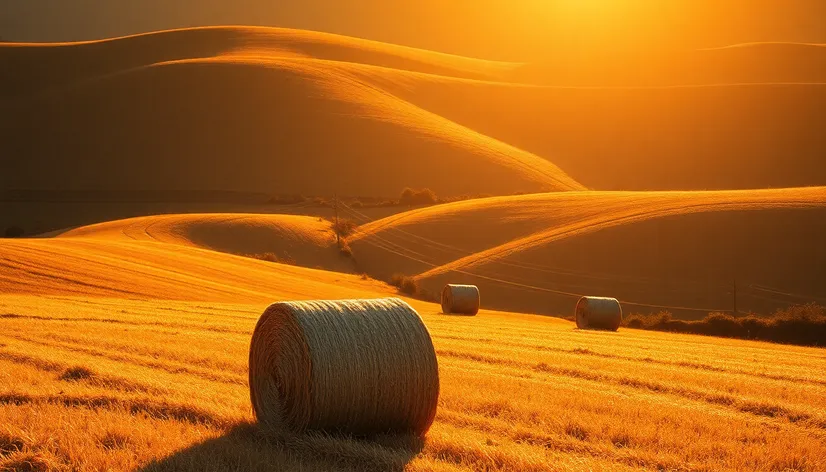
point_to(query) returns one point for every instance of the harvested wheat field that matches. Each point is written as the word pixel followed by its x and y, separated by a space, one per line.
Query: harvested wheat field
pixel 126 354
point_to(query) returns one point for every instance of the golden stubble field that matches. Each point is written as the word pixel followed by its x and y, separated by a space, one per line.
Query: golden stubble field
pixel 137 380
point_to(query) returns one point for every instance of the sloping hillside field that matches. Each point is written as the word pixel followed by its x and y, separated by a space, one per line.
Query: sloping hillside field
pixel 691 187
pixel 124 346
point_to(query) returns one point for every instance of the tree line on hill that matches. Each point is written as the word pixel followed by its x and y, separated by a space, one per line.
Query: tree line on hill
pixel 803 325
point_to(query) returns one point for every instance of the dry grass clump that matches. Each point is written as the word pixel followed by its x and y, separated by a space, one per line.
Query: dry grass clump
pixel 406 284
pixel 10 444
pixel 114 440
pixel 273 257
pixel 34 462
pixel 800 324
pixel 362 367
pixel 77 373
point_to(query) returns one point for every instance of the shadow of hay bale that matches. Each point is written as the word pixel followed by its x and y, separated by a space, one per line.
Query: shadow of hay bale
pixel 247 447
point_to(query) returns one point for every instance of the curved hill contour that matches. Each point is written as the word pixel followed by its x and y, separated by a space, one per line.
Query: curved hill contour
pixel 693 137
pixel 253 120
pixel 538 252
pixel 301 240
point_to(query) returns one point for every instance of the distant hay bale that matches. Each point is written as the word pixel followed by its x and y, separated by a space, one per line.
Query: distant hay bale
pixel 359 367
pixel 460 299
pixel 598 313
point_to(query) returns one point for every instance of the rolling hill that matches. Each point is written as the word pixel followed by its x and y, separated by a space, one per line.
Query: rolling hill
pixel 302 240
pixel 653 250
pixel 260 117
pixel 720 135
pixel 289 111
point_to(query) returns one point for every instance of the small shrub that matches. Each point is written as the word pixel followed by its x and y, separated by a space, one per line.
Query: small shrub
pixel 273 257
pixel 407 196
pixel 14 232
pixel 406 284
pixel 410 197
pixel 344 227
pixel 265 256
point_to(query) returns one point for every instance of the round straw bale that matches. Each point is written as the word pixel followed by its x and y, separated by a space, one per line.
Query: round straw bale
pixel 460 299
pixel 358 367
pixel 598 313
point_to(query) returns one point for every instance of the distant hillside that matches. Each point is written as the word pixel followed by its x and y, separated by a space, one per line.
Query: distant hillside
pixel 259 114
pixel 717 136
pixel 652 250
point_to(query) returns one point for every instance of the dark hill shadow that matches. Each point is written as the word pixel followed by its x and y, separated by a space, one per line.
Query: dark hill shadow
pixel 247 448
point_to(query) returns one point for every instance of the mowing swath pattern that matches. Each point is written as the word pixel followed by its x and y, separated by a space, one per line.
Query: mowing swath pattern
pixel 517 392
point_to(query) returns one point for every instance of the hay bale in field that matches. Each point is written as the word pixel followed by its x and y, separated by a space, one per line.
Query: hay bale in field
pixel 598 313
pixel 460 299
pixel 359 367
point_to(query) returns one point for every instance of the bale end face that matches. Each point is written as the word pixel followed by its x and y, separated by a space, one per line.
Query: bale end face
pixel 359 367
pixel 460 299
pixel 598 313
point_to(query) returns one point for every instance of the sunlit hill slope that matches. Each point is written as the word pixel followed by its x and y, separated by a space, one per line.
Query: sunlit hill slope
pixel 247 109
pixel 538 253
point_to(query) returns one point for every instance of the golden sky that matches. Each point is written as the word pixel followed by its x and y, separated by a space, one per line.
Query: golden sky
pixel 495 29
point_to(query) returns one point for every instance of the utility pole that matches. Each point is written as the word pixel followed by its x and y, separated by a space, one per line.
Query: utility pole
pixel 734 296
pixel 336 227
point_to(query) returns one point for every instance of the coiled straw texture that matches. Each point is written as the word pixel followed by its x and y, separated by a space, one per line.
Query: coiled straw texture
pixel 598 313
pixel 460 299
pixel 359 367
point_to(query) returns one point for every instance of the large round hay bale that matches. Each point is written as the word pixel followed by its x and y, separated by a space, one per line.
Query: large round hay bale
pixel 359 367
pixel 460 299
pixel 598 313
